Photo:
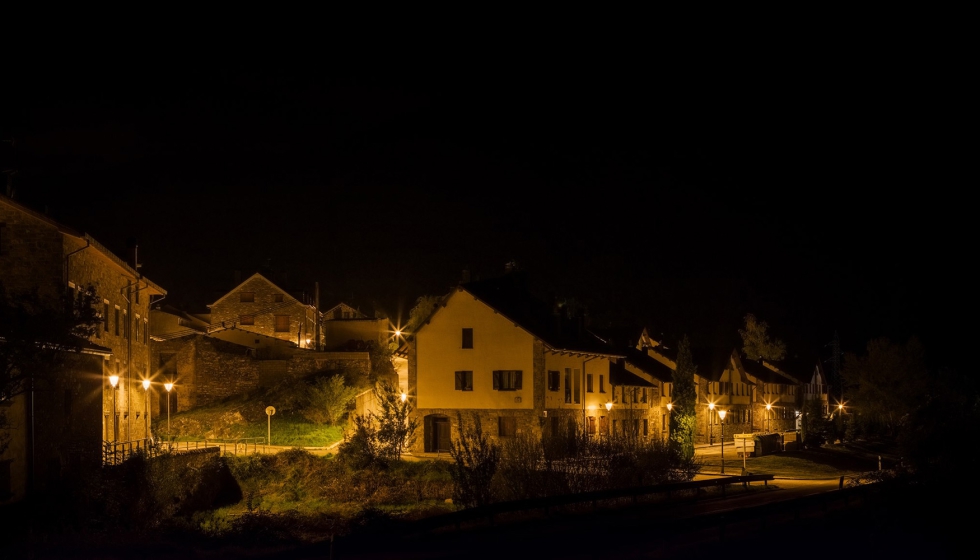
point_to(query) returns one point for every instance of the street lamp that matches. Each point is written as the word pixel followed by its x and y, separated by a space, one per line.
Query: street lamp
pixel 711 431
pixel 168 386
pixel 721 415
pixel 608 406
pixel 146 408
pixel 114 380
pixel 768 417
pixel 670 407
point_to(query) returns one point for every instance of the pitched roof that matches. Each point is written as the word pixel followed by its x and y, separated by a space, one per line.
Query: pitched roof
pixel 249 279
pixel 619 375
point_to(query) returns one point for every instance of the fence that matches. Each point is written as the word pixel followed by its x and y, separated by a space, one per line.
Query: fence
pixel 115 452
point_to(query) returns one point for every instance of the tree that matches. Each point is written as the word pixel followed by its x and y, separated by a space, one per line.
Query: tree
pixel 40 340
pixel 475 461
pixel 886 384
pixel 424 307
pixel 756 343
pixel 327 399
pixel 396 423
pixel 683 418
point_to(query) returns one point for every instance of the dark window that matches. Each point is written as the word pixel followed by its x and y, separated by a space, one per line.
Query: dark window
pixel 246 319
pixel 467 338
pixel 464 380
pixel 568 385
pixel 246 297
pixel 588 383
pixel 105 316
pixel 615 426
pixel 282 323
pixel 590 426
pixel 554 380
pixel 137 329
pixel 603 426
pixel 646 427
pixel 277 298
pixel 602 384
pixel 127 328
pixel 643 395
pixel 507 426
pixel 507 380
pixel 117 321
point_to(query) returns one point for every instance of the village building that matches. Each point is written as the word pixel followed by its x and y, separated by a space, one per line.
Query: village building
pixel 103 399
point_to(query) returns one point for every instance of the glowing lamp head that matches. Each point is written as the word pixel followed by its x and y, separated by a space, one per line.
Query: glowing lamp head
pixel 711 406
pixel 146 384
pixel 398 333
pixel 840 406
pixel 113 380
pixel 168 386
pixel 670 406
pixel 609 405
pixel 768 406
pixel 722 413
pixel 404 397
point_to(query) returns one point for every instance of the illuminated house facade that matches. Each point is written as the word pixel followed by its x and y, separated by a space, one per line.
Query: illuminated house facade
pixel 491 352
pixel 257 305
pixel 39 253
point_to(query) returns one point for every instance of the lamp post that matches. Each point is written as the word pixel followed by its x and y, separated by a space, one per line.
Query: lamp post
pixel 114 380
pixel 711 431
pixel 721 415
pixel 168 386
pixel 768 417
pixel 146 409
pixel 670 407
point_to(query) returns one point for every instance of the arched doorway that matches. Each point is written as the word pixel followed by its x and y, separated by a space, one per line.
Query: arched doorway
pixel 436 432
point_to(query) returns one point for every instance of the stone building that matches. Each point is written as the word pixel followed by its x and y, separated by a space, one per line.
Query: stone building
pixel 257 305
pixel 38 253
pixel 346 328
pixel 492 352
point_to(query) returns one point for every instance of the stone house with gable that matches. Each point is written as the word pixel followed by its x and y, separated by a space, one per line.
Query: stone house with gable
pixel 492 352
pixel 37 252
pixel 259 306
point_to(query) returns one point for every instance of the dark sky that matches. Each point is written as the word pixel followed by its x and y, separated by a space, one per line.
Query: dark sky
pixel 811 188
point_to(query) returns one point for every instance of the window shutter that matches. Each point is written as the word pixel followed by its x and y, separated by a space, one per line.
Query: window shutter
pixel 459 380
pixel 517 380
pixel 496 381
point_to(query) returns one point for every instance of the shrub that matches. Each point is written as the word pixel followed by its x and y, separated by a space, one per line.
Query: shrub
pixel 327 400
pixel 475 460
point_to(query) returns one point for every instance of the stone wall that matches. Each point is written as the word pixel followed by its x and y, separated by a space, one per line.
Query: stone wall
pixel 263 309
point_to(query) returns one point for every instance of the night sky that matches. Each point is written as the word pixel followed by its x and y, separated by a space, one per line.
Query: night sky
pixel 813 189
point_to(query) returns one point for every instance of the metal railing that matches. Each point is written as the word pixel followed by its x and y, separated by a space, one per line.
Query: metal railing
pixel 115 452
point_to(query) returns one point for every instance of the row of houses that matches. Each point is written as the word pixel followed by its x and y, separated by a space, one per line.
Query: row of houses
pixel 489 350
pixel 492 351
pixel 146 359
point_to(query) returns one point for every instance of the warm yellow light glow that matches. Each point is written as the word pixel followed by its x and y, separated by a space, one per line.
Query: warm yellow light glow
pixel 768 406
pixel 113 380
pixel 168 386
pixel 398 333
pixel 840 406
pixel 670 406
pixel 404 397
pixel 146 384
pixel 711 406
pixel 722 413
pixel 609 406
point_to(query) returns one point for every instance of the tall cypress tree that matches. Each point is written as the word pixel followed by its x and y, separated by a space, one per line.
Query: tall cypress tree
pixel 683 418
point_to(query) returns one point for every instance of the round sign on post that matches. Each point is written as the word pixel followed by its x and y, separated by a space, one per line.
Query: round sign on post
pixel 269 410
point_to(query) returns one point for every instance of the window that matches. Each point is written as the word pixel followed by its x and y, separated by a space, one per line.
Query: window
pixel 137 328
pixel 105 315
pixel 615 426
pixel 282 323
pixel 604 425
pixel 568 385
pixel 643 395
pixel 467 338
pixel 117 320
pixel 602 384
pixel 277 298
pixel 464 380
pixel 590 427
pixel 554 380
pixel 126 326
pixel 588 383
pixel 507 426
pixel 578 386
pixel 246 297
pixel 646 428
pixel 507 380
pixel 246 319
